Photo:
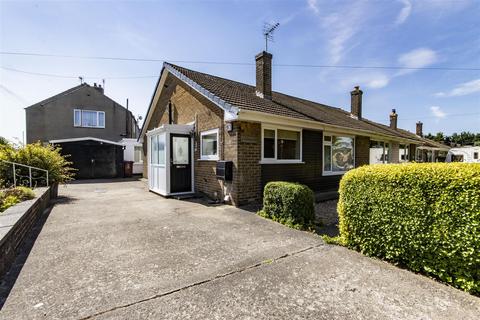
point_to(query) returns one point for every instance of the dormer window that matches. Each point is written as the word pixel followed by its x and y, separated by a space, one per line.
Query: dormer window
pixel 88 118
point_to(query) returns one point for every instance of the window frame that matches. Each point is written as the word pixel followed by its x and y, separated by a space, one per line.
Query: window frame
pixel 275 160
pixel 329 143
pixel 205 133
pixel 407 153
pixel 80 125
pixel 385 148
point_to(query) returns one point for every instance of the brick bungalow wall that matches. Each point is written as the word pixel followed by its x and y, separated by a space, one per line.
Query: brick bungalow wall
pixel 362 151
pixel 189 106
pixel 249 169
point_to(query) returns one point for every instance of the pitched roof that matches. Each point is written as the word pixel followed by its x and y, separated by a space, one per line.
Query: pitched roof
pixel 57 96
pixel 244 97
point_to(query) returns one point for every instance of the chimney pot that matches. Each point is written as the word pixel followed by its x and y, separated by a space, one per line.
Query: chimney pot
pixel 95 84
pixel 419 129
pixel 263 72
pixel 356 102
pixel 393 119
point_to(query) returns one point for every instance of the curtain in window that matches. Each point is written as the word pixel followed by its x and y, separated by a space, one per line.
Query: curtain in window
pixel 89 119
pixel 101 119
pixel 77 118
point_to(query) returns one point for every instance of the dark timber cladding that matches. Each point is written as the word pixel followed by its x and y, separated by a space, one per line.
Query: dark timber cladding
pixel 308 173
pixel 93 159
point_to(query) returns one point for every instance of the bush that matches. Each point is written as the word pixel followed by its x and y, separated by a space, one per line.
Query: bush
pixel 289 203
pixel 37 155
pixel 423 216
pixel 11 197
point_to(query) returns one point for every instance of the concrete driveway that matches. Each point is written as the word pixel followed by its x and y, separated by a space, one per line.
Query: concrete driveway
pixel 112 250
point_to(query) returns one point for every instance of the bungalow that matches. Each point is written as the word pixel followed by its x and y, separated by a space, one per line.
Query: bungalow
pixel 227 139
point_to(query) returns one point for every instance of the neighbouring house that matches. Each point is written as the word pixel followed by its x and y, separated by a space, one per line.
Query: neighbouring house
pixel 227 139
pixel 89 126
pixel 469 154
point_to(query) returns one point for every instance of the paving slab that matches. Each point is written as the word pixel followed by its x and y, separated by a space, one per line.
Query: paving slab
pixel 113 250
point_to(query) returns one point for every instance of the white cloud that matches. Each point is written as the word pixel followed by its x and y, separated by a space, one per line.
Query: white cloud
pixel 405 12
pixel 313 5
pixel 418 58
pixel 341 31
pixel 462 89
pixel 378 82
pixel 437 112
pixel 369 80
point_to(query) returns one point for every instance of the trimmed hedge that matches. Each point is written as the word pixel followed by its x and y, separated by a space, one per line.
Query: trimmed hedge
pixel 289 203
pixel 423 216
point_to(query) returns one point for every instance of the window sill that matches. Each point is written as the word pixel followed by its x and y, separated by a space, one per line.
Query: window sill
pixel 339 173
pixel 86 127
pixel 281 162
pixel 206 159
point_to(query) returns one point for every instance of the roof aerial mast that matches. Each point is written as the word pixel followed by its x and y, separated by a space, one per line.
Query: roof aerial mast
pixel 268 30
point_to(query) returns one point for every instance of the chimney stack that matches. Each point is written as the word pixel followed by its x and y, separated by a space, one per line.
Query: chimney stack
pixel 263 64
pixel 419 129
pixel 356 104
pixel 98 88
pixel 393 119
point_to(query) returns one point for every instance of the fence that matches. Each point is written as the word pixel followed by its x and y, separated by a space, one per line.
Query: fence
pixel 23 175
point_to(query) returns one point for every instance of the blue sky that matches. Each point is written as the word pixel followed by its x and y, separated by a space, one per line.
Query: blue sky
pixel 400 33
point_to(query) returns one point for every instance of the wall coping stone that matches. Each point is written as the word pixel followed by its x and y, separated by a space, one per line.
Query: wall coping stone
pixel 10 217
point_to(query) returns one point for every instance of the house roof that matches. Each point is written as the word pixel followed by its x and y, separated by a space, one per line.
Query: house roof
pixel 244 97
pixel 61 94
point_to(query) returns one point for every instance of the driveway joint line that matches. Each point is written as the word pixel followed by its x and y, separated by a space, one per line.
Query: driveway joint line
pixel 199 283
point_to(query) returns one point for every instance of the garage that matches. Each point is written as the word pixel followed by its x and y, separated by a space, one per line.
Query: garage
pixel 93 158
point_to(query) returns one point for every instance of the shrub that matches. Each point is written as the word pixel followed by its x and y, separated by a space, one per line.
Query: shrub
pixel 423 216
pixel 12 196
pixel 37 155
pixel 289 203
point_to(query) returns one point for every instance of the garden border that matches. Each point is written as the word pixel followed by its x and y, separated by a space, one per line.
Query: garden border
pixel 17 221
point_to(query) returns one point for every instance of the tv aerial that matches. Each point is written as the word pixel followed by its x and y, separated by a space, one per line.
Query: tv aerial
pixel 268 30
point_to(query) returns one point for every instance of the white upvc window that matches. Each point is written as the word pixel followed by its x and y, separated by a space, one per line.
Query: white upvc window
pixel 281 144
pixel 403 153
pixel 379 152
pixel 338 154
pixel 88 118
pixel 209 145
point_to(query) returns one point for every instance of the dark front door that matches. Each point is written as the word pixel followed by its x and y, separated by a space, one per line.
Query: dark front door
pixel 180 163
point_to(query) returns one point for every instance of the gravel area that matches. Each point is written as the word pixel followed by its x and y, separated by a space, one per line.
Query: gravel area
pixel 326 212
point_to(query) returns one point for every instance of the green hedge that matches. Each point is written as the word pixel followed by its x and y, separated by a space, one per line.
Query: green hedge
pixel 289 203
pixel 37 155
pixel 423 216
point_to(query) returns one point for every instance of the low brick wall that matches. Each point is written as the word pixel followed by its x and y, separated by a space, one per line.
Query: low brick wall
pixel 17 221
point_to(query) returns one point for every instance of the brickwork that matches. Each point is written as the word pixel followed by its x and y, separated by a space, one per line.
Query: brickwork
pixel 189 106
pixel 17 229
pixel 394 156
pixel 362 151
pixel 263 63
pixel 249 169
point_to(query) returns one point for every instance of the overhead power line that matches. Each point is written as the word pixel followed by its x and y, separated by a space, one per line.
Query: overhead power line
pixel 237 63
pixel 74 77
